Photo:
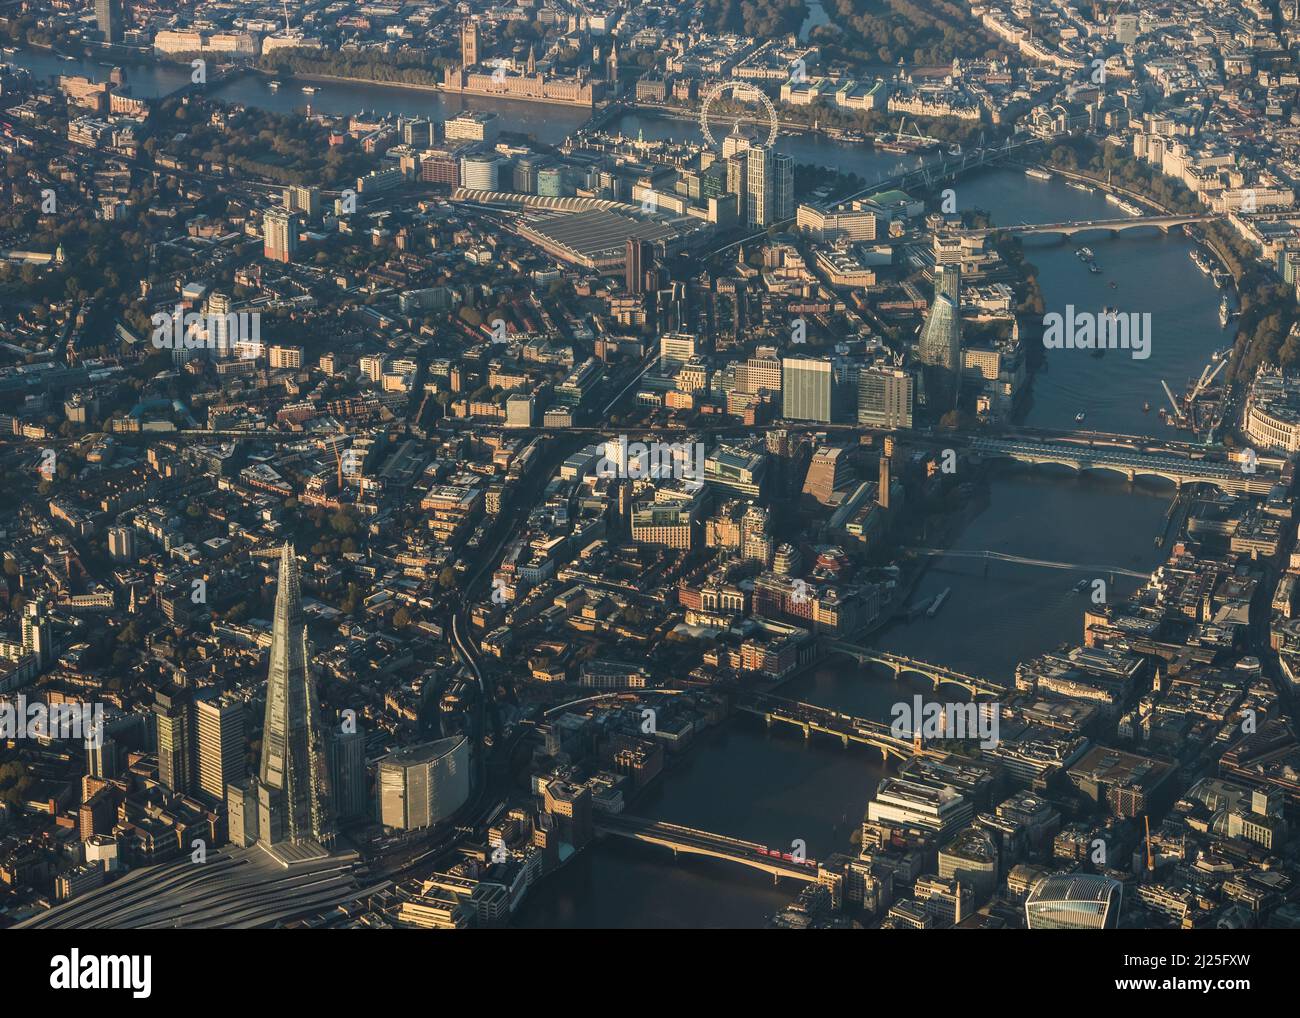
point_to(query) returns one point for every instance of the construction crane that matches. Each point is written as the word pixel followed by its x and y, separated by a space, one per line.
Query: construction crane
pixel 1203 382
pixel 1178 411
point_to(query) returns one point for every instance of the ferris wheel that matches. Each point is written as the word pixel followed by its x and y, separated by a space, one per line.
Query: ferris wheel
pixel 739 90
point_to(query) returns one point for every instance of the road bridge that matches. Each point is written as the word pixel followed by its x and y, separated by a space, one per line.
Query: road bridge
pixel 938 674
pixel 777 862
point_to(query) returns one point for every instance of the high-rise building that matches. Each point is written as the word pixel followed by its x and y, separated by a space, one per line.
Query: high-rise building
pixel 418 133
pixel 769 186
pixel 469 43
pixel 816 389
pixel 241 812
pixel 37 637
pixel 639 256
pixel 121 544
pixel 294 800
pixel 219 726
pixel 304 199
pixel 420 786
pixel 280 235
pixel 885 397
pixel 101 756
pixel 678 348
pixel 347 759
pixel 172 714
pixel 108 19
pixel 940 343
pixel 478 171
pixel 219 324
pixel 1074 901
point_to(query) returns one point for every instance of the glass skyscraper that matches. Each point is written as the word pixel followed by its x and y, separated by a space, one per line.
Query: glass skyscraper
pixel 1074 901
pixel 941 337
pixel 294 800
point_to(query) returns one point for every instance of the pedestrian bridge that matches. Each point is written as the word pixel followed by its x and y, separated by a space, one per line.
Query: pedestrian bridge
pixel 778 862
pixel 1131 463
pixel 1164 223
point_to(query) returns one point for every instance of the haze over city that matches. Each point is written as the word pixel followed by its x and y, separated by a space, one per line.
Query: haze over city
pixel 816 464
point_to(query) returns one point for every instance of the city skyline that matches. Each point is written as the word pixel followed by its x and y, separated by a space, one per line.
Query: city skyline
pixel 628 466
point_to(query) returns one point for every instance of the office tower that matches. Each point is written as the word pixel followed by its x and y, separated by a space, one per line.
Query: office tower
pixel 885 397
pixel 469 43
pixel 972 859
pixel 525 174
pixel 769 186
pixel 640 254
pixel 882 485
pixel 280 235
pixel 520 410
pixel 108 19
pixel 172 710
pixel 568 809
pixel 911 803
pixel 121 544
pixel 677 348
pixel 37 637
pixel 346 752
pixel 219 725
pixel 420 786
pixel 418 133
pixel 1074 901
pixel 306 200
pixel 809 389
pixel 294 801
pixel 101 756
pixel 553 182
pixel 478 171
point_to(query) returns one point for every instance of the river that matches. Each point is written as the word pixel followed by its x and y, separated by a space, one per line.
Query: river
pixel 548 123
pixel 773 787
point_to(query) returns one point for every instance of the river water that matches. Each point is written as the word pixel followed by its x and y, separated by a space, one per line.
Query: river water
pixel 547 123
pixel 773 787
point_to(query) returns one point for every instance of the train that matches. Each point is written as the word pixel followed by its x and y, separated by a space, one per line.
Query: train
pixel 774 853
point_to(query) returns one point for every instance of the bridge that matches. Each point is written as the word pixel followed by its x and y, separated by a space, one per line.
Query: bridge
pixel 898 664
pixel 949 167
pixel 716 846
pixel 1164 223
pixel 1131 463
pixel 997 556
pixel 810 718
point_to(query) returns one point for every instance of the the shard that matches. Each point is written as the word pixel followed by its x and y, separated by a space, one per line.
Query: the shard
pixel 294 801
